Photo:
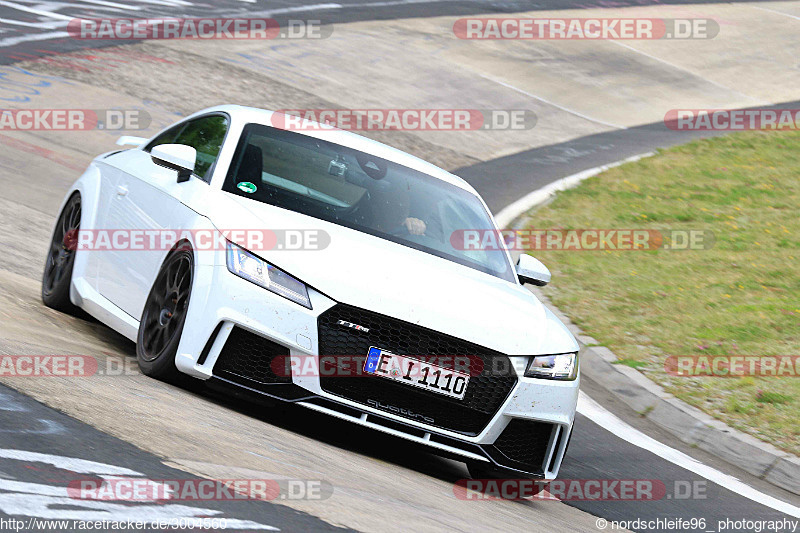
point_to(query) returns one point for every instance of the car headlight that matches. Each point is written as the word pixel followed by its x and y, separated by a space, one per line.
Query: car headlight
pixel 562 366
pixel 256 270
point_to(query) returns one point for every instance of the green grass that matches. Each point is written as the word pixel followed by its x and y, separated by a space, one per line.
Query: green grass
pixel 740 296
pixel 773 397
pixel 633 363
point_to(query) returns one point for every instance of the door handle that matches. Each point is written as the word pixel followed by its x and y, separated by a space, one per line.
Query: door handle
pixel 122 190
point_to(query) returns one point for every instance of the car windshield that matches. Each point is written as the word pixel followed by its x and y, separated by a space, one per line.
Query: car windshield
pixel 362 192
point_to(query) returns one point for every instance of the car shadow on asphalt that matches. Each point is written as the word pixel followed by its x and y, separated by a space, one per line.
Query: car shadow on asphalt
pixel 334 432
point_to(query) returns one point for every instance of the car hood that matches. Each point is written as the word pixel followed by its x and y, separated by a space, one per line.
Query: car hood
pixel 365 271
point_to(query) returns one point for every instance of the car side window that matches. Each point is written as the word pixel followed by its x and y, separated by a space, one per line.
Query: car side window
pixel 205 135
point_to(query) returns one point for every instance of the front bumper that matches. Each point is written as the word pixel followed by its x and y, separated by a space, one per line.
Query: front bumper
pixel 234 331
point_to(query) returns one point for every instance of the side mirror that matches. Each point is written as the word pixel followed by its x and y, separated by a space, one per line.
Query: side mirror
pixel 130 140
pixel 175 157
pixel 531 270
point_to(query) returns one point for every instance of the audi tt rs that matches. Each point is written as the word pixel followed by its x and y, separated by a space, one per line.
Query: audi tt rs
pixel 311 265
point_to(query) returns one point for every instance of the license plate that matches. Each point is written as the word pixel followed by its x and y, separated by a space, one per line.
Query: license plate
pixel 416 373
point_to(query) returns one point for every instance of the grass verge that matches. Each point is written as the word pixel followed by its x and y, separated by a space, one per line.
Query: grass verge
pixel 740 296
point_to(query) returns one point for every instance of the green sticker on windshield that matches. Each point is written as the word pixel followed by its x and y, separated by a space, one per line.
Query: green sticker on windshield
pixel 247 187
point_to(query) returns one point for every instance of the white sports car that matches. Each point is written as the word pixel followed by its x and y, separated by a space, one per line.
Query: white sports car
pixel 337 285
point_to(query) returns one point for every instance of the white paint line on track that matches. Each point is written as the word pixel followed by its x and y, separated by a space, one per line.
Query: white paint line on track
pixel 773 11
pixel 11 41
pixel 298 9
pixel 37 25
pixel 312 7
pixel 402 3
pixel 44 501
pixel 332 6
pixel 548 102
pixel 72 464
pixel 115 5
pixel 678 67
pixel 168 3
pixel 40 12
pixel 509 213
pixel 610 422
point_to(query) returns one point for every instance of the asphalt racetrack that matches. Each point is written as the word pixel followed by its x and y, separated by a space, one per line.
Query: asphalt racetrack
pixel 129 425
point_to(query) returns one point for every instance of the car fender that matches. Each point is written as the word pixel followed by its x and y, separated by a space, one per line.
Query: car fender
pixel 88 186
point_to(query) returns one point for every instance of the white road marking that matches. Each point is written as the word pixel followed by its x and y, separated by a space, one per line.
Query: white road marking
pixel 54 502
pixel 8 403
pixel 33 488
pixel 50 427
pixel 177 3
pixel 546 101
pixel 401 2
pixel 774 11
pixel 673 65
pixel 115 5
pixel 298 9
pixel 11 41
pixel 40 12
pixel 37 25
pixel 64 508
pixel 168 3
pixel 80 466
pixel 610 422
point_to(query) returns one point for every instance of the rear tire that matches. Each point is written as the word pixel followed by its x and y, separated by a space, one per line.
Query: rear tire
pixel 164 316
pixel 57 276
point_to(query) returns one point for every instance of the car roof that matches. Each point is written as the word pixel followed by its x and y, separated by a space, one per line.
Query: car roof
pixel 342 137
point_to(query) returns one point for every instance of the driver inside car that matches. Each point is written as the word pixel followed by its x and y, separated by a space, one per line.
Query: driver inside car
pixel 391 211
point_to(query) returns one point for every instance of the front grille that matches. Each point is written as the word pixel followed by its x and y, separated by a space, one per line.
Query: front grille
pixel 522 445
pixel 247 359
pixel 485 393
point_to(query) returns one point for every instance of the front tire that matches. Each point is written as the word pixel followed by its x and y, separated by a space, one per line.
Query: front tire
pixel 57 276
pixel 164 316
